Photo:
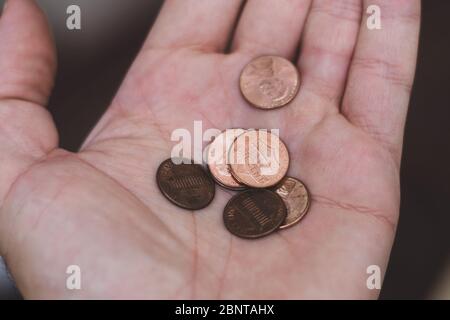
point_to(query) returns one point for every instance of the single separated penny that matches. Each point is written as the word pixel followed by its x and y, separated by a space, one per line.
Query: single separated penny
pixel 297 200
pixel 186 185
pixel 269 82
pixel 218 159
pixel 254 213
pixel 259 159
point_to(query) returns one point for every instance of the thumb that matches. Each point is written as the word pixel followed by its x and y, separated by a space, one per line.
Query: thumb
pixel 27 67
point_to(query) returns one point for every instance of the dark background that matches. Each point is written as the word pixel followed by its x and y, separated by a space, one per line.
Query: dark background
pixel 93 61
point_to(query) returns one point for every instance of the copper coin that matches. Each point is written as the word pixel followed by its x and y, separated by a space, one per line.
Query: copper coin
pixel 297 200
pixel 270 82
pixel 259 159
pixel 186 185
pixel 254 213
pixel 218 161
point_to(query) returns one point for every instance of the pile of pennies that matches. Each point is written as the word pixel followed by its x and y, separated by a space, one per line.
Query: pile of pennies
pixel 252 162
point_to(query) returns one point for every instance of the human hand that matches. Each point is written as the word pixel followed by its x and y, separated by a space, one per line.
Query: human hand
pixel 101 209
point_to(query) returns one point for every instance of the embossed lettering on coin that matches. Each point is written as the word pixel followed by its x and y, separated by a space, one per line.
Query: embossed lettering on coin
pixel 297 200
pixel 269 82
pixel 261 159
pixel 254 213
pixel 187 185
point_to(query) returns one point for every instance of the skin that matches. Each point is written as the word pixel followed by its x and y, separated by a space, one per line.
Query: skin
pixel 101 209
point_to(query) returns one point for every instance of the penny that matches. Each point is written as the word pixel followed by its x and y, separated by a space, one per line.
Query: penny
pixel 269 82
pixel 218 159
pixel 186 185
pixel 296 198
pixel 261 159
pixel 254 213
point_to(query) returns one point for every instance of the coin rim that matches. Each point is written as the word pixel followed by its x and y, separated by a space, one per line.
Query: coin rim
pixel 271 107
pixel 305 211
pixel 166 195
pixel 262 235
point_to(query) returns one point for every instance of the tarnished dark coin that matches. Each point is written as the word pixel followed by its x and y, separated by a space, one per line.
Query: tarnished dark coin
pixel 187 185
pixel 254 213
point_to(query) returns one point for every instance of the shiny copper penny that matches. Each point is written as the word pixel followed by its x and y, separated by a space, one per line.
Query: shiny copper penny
pixel 259 159
pixel 297 200
pixel 186 185
pixel 254 213
pixel 269 82
pixel 218 161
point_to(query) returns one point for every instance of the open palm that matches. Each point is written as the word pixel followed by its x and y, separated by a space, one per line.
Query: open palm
pixel 101 209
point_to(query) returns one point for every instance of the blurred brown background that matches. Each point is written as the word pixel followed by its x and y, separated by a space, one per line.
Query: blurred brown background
pixel 93 61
